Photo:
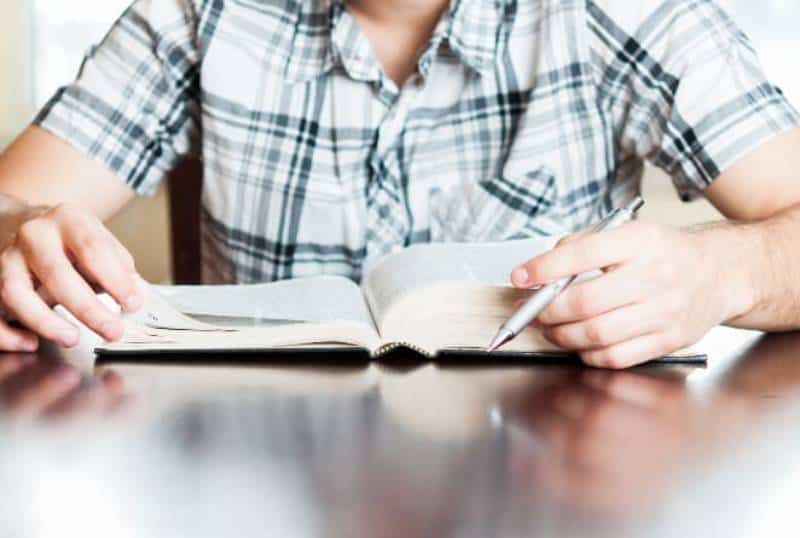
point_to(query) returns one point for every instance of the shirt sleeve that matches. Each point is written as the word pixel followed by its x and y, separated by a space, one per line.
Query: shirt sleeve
pixel 134 105
pixel 684 87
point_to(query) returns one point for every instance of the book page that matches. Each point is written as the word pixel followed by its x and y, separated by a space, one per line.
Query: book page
pixel 143 339
pixel 419 266
pixel 322 311
pixel 316 300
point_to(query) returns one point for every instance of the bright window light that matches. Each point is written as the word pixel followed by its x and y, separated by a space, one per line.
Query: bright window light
pixel 62 33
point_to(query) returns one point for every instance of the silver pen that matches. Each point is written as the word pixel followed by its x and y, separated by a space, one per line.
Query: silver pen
pixel 546 295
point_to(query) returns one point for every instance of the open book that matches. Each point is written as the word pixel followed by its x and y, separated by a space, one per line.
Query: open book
pixel 429 298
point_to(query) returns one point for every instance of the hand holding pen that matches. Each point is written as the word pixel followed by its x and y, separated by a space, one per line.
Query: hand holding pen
pixel 540 300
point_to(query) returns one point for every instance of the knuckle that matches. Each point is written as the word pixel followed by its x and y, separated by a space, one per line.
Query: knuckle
pixel 32 230
pixel 615 361
pixel 86 311
pixel 582 302
pixel 549 315
pixel 9 291
pixel 127 259
pixel 596 334
pixel 64 210
pixel 554 335
pixel 88 245
pixel 47 270
pixel 605 358
pixel 594 358
pixel 6 257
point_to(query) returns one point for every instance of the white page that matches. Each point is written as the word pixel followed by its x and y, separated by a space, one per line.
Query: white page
pixel 316 299
pixel 427 264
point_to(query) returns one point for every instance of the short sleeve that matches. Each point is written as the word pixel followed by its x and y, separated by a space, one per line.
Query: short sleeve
pixel 684 87
pixel 134 105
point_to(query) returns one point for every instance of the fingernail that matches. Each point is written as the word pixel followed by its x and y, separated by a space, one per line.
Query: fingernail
pixel 134 302
pixel 520 276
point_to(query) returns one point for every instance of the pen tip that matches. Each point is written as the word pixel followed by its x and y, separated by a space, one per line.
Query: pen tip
pixel 500 339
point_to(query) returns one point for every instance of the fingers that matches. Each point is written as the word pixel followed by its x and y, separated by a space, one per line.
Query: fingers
pixel 575 256
pixel 633 352
pixel 606 329
pixel 55 258
pixel 25 305
pixel 18 340
pixel 49 264
pixel 585 300
pixel 104 261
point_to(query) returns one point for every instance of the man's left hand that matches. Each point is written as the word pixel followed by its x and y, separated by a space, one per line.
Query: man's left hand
pixel 662 289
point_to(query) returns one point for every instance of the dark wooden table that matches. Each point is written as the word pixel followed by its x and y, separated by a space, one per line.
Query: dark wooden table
pixel 337 448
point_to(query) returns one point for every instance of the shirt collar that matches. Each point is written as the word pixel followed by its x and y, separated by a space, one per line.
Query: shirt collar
pixel 474 30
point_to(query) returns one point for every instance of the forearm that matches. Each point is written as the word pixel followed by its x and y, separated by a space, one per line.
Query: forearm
pixel 40 169
pixel 758 270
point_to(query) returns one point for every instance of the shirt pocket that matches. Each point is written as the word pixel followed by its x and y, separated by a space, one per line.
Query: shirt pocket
pixel 496 209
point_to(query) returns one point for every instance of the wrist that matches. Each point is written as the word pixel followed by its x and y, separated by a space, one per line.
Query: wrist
pixel 13 214
pixel 733 254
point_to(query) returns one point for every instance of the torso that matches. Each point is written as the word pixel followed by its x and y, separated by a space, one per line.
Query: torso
pixel 317 164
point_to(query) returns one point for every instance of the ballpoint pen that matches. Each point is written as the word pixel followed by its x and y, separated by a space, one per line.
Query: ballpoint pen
pixel 542 298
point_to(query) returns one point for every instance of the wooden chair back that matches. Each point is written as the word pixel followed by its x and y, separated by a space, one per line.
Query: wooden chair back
pixel 185 185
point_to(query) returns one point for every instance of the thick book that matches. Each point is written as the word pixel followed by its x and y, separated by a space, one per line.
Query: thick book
pixel 432 298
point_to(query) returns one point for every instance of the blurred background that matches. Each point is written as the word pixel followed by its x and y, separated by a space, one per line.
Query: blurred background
pixel 42 43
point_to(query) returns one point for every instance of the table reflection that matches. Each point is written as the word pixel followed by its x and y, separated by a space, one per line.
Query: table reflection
pixel 330 449
pixel 34 387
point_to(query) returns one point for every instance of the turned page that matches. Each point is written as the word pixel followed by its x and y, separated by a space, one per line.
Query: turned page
pixel 428 265
pixel 317 310
pixel 321 299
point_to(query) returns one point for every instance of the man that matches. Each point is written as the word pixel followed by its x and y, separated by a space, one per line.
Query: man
pixel 334 132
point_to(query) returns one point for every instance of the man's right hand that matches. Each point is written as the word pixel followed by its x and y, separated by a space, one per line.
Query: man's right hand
pixel 60 255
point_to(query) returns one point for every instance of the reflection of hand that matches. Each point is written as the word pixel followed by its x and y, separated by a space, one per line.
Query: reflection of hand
pixel 610 438
pixel 30 388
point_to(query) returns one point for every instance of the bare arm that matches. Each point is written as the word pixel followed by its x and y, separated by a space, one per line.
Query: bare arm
pixel 666 288
pixel 40 169
pixel 761 196
pixel 53 200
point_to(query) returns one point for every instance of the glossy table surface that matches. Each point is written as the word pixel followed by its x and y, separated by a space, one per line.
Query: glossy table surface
pixel 340 448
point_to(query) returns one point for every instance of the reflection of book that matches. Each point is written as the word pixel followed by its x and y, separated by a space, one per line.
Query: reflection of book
pixel 430 298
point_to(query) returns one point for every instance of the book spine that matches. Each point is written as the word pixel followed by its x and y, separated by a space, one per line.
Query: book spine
pixel 388 348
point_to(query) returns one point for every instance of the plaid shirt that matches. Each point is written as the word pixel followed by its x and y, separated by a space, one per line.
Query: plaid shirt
pixel 525 118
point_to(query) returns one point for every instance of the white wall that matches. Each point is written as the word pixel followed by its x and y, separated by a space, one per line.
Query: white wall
pixel 16 98
pixel 18 106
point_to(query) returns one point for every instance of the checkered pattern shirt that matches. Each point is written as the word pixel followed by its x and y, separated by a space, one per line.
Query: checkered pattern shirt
pixel 524 118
